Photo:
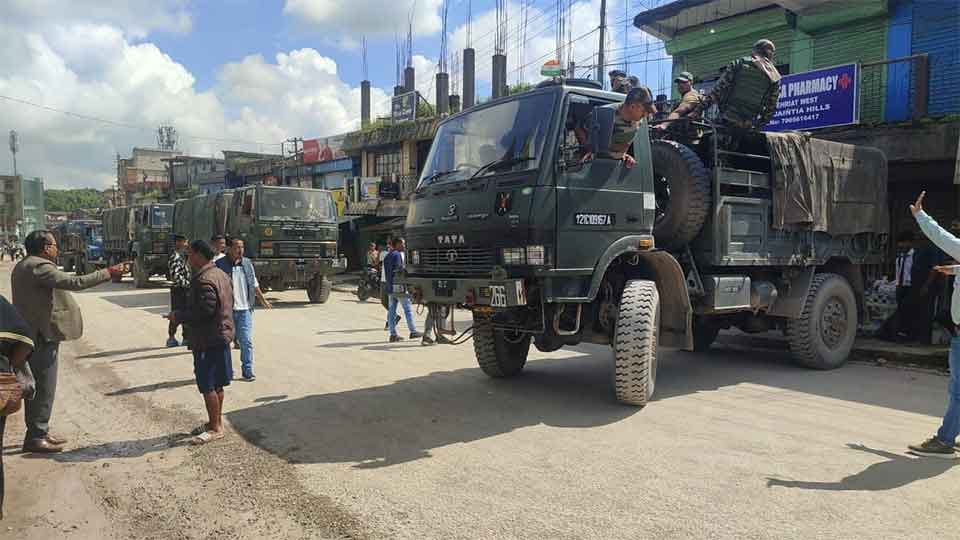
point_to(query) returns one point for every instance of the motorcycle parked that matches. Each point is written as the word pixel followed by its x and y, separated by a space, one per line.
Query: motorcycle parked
pixel 369 284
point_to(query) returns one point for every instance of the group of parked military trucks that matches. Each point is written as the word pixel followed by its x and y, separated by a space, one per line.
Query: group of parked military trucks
pixel 710 229
pixel 290 234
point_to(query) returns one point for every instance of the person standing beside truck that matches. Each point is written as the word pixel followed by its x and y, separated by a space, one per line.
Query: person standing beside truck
pixel 943 443
pixel 392 265
pixel 180 289
pixel 246 290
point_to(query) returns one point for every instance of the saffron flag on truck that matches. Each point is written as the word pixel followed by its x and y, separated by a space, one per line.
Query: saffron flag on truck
pixel 817 99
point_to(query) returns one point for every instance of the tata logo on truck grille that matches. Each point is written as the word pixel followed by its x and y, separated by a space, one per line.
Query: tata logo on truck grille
pixel 452 256
pixel 451 239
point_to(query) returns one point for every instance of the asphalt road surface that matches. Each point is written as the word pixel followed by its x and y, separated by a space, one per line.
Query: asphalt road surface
pixel 344 435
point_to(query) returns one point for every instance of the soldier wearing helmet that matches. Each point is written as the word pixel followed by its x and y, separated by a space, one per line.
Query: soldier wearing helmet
pixel 747 92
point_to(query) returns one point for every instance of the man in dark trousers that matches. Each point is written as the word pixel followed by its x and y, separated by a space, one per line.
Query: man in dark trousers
pixel 40 295
pixel 180 289
pixel 210 317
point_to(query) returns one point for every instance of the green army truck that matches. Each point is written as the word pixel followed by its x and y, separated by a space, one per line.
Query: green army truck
pixel 717 230
pixel 289 233
pixel 140 235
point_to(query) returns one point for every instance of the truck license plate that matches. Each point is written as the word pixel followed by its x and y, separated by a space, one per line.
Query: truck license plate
pixel 443 287
pixel 498 297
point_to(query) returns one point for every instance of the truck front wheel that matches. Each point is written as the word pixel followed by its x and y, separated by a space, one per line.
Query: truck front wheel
pixel 318 289
pixel 823 335
pixel 635 343
pixel 499 353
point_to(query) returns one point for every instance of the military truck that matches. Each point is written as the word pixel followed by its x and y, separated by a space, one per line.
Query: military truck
pixel 722 230
pixel 289 233
pixel 139 234
pixel 80 244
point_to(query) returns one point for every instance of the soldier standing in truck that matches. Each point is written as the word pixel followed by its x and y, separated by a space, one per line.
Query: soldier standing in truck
pixel 690 100
pixel 747 92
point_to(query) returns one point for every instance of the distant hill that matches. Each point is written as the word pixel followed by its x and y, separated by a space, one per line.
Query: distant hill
pixel 68 200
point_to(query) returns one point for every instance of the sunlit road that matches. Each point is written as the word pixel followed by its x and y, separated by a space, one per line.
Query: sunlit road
pixel 401 441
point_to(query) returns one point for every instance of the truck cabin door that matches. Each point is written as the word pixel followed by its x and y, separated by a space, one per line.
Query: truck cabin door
pixel 601 200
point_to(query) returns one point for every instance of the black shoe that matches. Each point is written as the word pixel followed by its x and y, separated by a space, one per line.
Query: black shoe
pixel 442 340
pixel 394 339
pixel 426 341
pixel 415 335
pixel 933 447
pixel 250 377
pixel 41 446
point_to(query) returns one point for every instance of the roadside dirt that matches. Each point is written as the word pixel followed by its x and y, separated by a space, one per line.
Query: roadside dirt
pixel 122 488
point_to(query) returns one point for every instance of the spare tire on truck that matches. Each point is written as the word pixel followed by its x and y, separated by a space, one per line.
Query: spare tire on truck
pixel 682 188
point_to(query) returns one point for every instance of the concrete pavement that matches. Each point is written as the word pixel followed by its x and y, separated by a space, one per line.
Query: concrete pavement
pixel 400 441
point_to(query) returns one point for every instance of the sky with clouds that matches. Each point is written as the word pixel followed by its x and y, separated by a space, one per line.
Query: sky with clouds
pixel 247 74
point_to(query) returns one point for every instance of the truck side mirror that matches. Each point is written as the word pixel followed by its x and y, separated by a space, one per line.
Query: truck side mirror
pixel 601 129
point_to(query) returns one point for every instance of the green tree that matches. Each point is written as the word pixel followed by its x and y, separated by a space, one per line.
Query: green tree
pixel 68 200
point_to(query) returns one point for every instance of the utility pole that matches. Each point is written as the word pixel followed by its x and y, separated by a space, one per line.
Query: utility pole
pixel 296 140
pixel 14 148
pixel 603 37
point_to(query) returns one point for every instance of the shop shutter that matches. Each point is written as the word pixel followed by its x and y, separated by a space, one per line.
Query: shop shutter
pixel 936 31
pixel 861 42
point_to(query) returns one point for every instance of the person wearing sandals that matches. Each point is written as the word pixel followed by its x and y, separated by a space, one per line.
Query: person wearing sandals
pixel 15 346
pixel 210 316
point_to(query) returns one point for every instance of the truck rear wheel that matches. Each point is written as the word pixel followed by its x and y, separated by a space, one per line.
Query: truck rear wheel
pixel 499 353
pixel 822 337
pixel 635 343
pixel 318 289
pixel 140 275
pixel 682 189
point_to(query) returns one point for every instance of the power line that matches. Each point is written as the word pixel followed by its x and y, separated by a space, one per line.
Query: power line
pixel 125 125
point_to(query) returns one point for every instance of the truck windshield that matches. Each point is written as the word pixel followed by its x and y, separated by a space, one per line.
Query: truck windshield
pixel 295 204
pixel 507 137
pixel 160 215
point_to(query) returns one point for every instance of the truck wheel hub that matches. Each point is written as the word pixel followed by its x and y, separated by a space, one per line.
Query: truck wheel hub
pixel 833 323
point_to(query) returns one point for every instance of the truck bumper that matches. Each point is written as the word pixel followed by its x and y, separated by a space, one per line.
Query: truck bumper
pixel 506 293
pixel 297 270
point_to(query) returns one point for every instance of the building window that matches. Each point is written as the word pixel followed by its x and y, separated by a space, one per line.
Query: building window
pixel 388 163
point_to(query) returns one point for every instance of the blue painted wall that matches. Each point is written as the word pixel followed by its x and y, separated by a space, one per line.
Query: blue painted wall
pixel 936 31
pixel 899 75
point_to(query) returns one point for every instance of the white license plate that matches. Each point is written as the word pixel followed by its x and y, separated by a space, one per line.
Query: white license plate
pixel 498 296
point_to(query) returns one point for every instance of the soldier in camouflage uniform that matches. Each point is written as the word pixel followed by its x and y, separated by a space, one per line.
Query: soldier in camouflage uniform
pixel 635 108
pixel 747 92
pixel 619 82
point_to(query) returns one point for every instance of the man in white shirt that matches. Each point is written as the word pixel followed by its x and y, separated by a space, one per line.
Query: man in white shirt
pixel 246 290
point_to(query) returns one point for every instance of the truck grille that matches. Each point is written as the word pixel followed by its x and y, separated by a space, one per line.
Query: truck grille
pixel 304 250
pixel 456 261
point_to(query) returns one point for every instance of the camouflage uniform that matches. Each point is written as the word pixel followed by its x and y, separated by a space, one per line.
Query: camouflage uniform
pixel 623 132
pixel 746 93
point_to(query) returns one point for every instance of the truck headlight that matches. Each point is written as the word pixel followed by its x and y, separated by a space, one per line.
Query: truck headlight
pixel 536 255
pixel 331 250
pixel 415 256
pixel 266 248
pixel 159 247
pixel 513 256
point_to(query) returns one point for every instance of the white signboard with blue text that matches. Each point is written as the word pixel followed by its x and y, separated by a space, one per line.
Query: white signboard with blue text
pixel 817 99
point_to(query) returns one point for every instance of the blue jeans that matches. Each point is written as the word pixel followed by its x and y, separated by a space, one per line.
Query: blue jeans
pixel 951 419
pixel 407 312
pixel 243 321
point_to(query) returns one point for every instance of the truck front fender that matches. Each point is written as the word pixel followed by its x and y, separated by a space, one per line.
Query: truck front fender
pixel 676 313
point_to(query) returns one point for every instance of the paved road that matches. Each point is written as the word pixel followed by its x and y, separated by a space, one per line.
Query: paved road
pixel 345 435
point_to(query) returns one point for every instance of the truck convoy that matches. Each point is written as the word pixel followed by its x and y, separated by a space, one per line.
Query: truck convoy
pixel 289 233
pixel 140 235
pixel 709 230
pixel 81 245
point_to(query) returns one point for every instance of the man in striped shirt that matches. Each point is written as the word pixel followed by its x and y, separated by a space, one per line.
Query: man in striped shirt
pixel 180 289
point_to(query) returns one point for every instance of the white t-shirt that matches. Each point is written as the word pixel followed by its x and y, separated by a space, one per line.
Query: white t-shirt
pixel 240 300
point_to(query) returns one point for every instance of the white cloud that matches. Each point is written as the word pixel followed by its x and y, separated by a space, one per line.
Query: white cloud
pixel 298 93
pixel 374 18
pixel 136 18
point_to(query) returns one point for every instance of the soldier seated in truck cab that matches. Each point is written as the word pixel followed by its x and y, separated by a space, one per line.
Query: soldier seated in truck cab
pixel 636 107
pixel 746 94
